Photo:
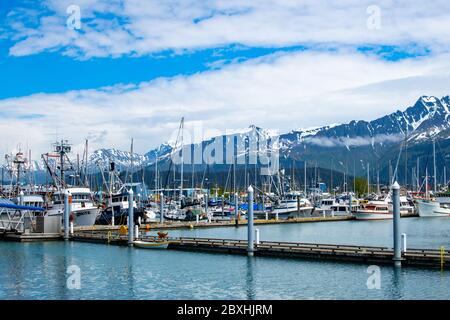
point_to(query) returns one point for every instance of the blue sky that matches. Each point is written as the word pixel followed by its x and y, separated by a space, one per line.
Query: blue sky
pixel 134 68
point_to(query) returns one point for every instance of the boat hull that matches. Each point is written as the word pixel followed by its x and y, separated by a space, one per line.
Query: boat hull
pixel 373 216
pixel 151 245
pixel 431 209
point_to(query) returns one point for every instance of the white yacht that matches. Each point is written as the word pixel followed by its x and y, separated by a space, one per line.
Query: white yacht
pixel 84 212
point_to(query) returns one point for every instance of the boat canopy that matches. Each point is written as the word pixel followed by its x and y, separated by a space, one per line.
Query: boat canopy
pixel 7 204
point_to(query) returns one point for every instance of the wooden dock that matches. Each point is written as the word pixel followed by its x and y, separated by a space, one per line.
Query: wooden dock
pixel 171 225
pixel 30 237
pixel 431 258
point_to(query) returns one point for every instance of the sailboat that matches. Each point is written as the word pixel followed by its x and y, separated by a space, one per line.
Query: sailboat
pixel 438 207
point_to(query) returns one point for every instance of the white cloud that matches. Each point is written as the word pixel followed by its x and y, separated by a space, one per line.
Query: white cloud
pixel 280 91
pixel 145 27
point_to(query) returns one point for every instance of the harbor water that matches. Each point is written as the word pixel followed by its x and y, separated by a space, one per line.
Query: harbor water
pixel 40 270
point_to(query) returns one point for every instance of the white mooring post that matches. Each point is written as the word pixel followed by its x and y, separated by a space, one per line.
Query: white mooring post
pixel 256 236
pixel 67 209
pixel 404 241
pixel 396 212
pixel 250 232
pixel 130 217
pixel 71 227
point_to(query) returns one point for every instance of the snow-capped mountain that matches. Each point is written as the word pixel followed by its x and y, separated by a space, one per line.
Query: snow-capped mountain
pixel 346 147
pixel 122 159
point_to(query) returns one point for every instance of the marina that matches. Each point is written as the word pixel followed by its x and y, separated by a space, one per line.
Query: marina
pixel 133 273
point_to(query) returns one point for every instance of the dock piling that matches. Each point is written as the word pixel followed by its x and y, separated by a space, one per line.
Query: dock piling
pixel 396 213
pixel 130 217
pixel 67 209
pixel 250 232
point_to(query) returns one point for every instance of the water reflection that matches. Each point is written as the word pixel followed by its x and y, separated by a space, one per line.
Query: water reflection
pixel 396 283
pixel 250 278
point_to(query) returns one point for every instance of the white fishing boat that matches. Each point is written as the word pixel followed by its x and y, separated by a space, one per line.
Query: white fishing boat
pixel 434 208
pixel 83 210
pixel 293 205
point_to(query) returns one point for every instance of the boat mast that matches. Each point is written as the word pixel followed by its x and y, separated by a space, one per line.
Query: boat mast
pixel 368 178
pixel 182 159
pixel 156 174
pixel 418 175
pixel 304 178
pixel 434 165
pixel 132 163
pixel 426 183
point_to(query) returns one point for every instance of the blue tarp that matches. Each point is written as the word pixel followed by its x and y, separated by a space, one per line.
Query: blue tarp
pixel 10 205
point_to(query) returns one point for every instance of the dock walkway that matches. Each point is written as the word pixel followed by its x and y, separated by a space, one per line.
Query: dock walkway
pixel 433 258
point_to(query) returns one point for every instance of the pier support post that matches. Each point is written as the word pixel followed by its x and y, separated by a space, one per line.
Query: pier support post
pixel 396 213
pixel 276 216
pixel 130 217
pixel 67 209
pixel 161 208
pixel 250 232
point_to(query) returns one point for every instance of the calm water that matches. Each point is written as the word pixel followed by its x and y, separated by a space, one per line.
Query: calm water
pixel 38 270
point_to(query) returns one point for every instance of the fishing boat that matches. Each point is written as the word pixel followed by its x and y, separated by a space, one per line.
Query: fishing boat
pixel 83 212
pixel 293 205
pixel 151 244
pixel 440 207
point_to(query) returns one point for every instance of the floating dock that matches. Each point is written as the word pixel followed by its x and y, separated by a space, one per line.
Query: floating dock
pixel 346 253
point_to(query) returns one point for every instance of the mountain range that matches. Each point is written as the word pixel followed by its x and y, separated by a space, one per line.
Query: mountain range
pixel 350 147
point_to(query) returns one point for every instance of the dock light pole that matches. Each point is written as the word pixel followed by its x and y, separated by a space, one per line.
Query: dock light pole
pixel 250 232
pixel 161 208
pixel 67 209
pixel 130 217
pixel 396 212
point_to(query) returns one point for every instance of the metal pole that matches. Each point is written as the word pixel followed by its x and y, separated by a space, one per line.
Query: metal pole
pixel 236 205
pixel 434 165
pixel 67 201
pixel 350 200
pixel 396 212
pixel 130 217
pixel 250 232
pixel 161 207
